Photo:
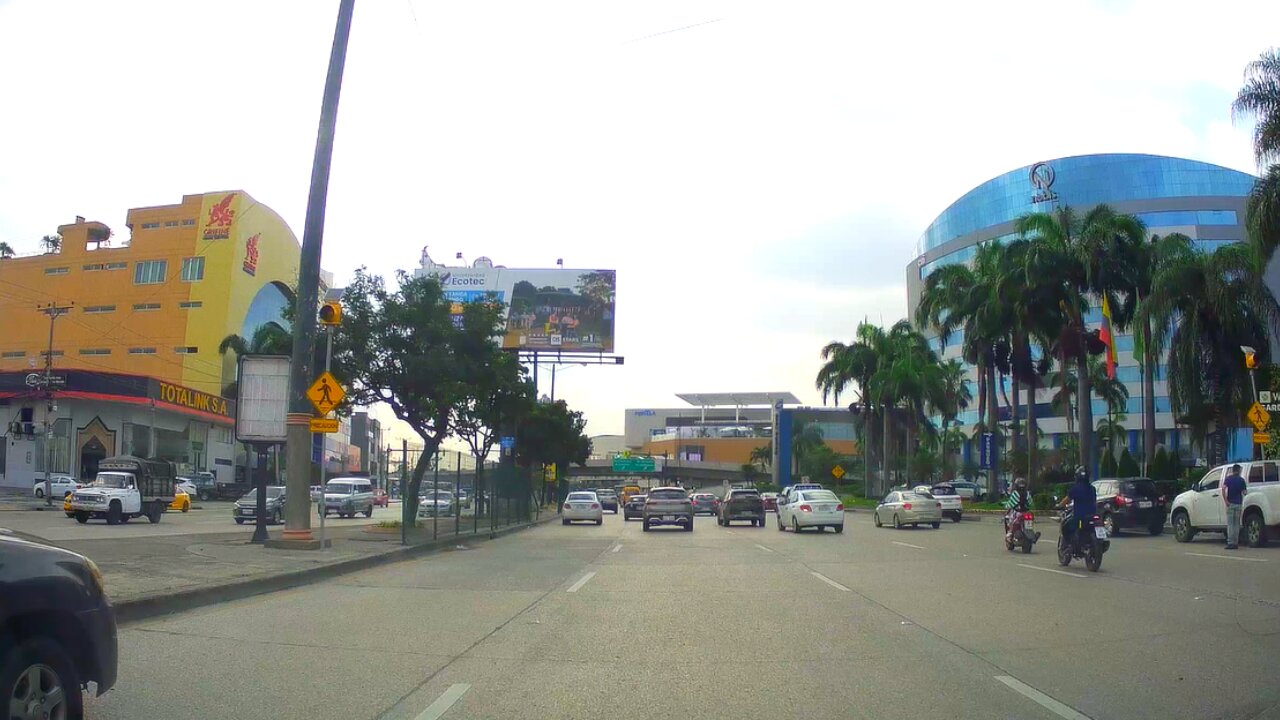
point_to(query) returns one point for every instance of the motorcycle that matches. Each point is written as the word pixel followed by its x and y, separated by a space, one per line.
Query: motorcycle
pixel 1092 542
pixel 1021 532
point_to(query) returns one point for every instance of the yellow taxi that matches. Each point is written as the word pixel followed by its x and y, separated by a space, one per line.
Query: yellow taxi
pixel 66 505
pixel 181 502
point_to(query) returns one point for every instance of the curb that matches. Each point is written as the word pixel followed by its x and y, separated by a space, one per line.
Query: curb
pixel 145 608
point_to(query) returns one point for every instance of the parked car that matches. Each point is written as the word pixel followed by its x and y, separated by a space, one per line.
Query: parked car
pixel 380 497
pixel 436 503
pixel 668 506
pixel 633 509
pixel 62 484
pixel 770 500
pixel 181 501
pixel 970 491
pixel 811 508
pixel 347 496
pixel 58 629
pixel 908 508
pixel 246 508
pixel 704 503
pixel 1130 503
pixel 952 507
pixel 1201 509
pixel 582 505
pixel 608 499
pixel 187 485
pixel 741 504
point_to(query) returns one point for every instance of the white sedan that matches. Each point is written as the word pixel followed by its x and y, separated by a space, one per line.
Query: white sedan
pixel 582 505
pixel 186 486
pixel 908 508
pixel 811 508
pixel 62 484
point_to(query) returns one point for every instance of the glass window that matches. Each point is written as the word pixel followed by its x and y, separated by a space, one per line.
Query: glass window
pixel 99 309
pixel 150 225
pixel 190 304
pixel 11 354
pixel 117 266
pixel 146 307
pixel 95 351
pixel 57 270
pixel 149 272
pixel 1255 474
pixel 186 349
pixel 1210 481
pixel 1272 472
pixel 170 223
pixel 91 267
pixel 192 269
pixel 188 221
pixel 142 351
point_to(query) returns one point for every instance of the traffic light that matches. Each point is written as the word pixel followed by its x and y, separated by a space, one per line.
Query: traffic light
pixel 331 313
pixel 1250 357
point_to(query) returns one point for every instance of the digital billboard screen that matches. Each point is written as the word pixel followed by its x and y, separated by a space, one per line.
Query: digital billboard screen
pixel 546 309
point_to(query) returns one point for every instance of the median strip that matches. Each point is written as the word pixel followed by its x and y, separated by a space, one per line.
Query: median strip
pixel 581 581
pixel 829 581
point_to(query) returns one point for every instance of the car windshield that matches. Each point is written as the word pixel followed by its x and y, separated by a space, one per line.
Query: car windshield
pixel 819 496
pixel 908 496
pixel 1139 488
pixel 668 495
pixel 582 497
pixel 337 489
pixel 275 491
pixel 924 494
pixel 112 480
pixel 943 490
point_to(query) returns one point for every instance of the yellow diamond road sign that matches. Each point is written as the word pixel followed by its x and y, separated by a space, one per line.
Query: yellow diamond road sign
pixel 1259 416
pixel 838 472
pixel 325 393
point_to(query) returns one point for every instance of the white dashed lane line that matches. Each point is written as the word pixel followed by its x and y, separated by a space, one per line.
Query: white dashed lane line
pixel 1227 557
pixel 617 548
pixel 918 547
pixel 1057 708
pixel 763 547
pixel 437 709
pixel 1051 570
pixel 829 581
pixel 581 581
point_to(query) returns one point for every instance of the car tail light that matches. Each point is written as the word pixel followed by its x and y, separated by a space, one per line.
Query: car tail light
pixel 566 506
pixel 1097 520
pixel 1160 499
pixel 805 508
pixel 939 504
pixel 906 506
pixel 1122 500
pixel 839 508
pixel 595 506
pixel 1028 516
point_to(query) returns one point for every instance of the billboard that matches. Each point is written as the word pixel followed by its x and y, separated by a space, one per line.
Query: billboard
pixel 546 309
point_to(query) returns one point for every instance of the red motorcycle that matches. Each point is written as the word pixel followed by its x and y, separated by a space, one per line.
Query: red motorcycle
pixel 1020 532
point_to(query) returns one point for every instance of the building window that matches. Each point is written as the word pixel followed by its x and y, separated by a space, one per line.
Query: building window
pixel 171 223
pixel 99 309
pixel 45 353
pixel 95 351
pixel 186 350
pixel 57 271
pixel 192 269
pixel 188 221
pixel 91 268
pixel 142 351
pixel 149 272
pixel 117 266
pixel 150 225
pixel 12 354
pixel 190 304
pixel 146 307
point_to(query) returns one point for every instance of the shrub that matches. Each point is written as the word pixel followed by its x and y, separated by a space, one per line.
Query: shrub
pixel 1042 502
pixel 1109 467
pixel 1127 467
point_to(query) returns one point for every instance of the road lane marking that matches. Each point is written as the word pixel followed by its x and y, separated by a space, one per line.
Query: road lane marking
pixel 617 547
pixel 437 709
pixel 1227 557
pixel 1057 708
pixel 581 581
pixel 1058 572
pixel 895 542
pixel 829 581
pixel 763 547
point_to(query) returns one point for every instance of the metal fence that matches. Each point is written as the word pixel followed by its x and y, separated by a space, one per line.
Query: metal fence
pixel 457 501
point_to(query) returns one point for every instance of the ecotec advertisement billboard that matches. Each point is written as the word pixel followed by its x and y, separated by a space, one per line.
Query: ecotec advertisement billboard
pixel 547 309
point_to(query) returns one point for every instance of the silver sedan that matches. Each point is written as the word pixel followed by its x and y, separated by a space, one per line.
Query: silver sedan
pixel 582 505
pixel 908 508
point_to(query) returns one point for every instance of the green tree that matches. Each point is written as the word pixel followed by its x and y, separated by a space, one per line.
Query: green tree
pixel 552 433
pixel 1260 98
pixel 6 251
pixel 806 439
pixel 268 339
pixel 51 243
pixel 500 395
pixel 1127 467
pixel 401 347
pixel 1111 430
pixel 846 366
pixel 762 455
pixel 1107 468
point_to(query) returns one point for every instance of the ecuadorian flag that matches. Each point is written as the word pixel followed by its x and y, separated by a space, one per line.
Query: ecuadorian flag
pixel 1108 337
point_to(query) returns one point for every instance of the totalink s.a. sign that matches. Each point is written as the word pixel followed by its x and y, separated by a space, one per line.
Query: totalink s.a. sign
pixel 1041 177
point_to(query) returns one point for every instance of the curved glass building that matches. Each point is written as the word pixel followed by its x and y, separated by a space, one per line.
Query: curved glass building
pixel 1203 201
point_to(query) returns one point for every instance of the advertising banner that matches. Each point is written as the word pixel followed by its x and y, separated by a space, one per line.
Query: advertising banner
pixel 551 309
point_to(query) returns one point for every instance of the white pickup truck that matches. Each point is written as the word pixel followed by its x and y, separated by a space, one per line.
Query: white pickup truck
pixel 1201 509
pixel 952 507
pixel 125 487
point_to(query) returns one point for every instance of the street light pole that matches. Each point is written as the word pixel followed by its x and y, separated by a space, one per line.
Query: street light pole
pixel 297 530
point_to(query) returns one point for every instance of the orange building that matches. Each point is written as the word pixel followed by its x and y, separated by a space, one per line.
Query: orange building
pixel 137 344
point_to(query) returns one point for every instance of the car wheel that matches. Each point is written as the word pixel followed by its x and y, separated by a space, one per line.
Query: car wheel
pixel 935 525
pixel 369 512
pixel 1109 522
pixel 71 514
pixel 39 492
pixel 646 524
pixel 600 521
pixel 113 513
pixel 39 681
pixel 875 518
pixel 1182 530
pixel 1156 528
pixel 955 518
pixel 564 522
pixel 795 525
pixel 689 527
pixel 186 506
pixel 781 527
pixel 897 524
pixel 202 494
pixel 838 528
pixel 277 517
pixel 82 517
pixel 1255 530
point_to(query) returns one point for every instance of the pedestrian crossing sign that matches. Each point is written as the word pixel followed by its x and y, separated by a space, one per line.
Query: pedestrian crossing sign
pixel 325 393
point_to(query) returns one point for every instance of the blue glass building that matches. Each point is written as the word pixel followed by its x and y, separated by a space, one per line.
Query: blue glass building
pixel 1203 201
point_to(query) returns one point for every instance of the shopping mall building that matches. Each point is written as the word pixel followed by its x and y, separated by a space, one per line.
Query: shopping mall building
pixel 1205 202
pixel 136 342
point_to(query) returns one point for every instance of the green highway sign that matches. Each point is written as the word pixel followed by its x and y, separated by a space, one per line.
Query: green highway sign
pixel 634 464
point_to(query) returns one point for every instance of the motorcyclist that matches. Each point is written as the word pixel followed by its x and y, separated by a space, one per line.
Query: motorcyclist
pixel 1084 504
pixel 1017 503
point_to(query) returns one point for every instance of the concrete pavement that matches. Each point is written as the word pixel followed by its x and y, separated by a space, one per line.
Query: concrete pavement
pixel 585 622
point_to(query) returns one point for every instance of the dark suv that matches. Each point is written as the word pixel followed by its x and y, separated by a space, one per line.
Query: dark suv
pixel 1130 503
pixel 742 504
pixel 57 629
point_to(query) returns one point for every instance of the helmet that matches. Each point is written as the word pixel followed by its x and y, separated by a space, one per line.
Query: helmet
pixel 1082 475
pixel 1020 484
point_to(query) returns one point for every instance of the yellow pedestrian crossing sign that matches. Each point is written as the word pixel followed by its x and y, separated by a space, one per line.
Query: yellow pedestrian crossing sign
pixel 1259 416
pixel 325 393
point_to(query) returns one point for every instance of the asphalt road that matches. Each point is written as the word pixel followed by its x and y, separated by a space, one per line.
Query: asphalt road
pixel 610 622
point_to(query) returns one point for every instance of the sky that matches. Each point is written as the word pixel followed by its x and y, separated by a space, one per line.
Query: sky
pixel 757 172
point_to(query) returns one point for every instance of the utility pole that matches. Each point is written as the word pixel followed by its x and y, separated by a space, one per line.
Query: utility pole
pixel 297 530
pixel 54 311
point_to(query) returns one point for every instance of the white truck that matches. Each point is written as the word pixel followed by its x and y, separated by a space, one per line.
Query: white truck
pixel 1201 508
pixel 126 487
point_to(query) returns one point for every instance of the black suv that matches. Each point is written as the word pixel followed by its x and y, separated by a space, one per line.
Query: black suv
pixel 742 504
pixel 1130 503
pixel 57 629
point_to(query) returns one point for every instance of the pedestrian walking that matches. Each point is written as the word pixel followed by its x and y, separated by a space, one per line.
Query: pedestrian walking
pixel 1233 488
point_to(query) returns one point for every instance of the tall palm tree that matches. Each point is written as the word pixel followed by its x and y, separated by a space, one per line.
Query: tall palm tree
pixel 762 455
pixel 853 364
pixel 953 396
pixel 51 243
pixel 806 438
pixel 6 251
pixel 1214 303
pixel 1260 97
pixel 906 376
pixel 1263 211
pixel 1074 258
pixel 267 339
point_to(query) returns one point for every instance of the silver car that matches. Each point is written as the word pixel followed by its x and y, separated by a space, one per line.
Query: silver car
pixel 903 507
pixel 435 502
pixel 347 496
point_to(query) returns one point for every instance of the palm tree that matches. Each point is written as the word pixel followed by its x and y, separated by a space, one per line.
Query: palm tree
pixel 1263 211
pixel 1260 97
pixel 952 397
pixel 762 455
pixel 6 251
pixel 850 365
pixel 907 375
pixel 51 243
pixel 1214 303
pixel 806 438
pixel 267 339
pixel 1110 429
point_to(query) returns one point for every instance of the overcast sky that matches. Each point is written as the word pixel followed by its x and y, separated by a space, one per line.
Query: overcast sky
pixel 758 173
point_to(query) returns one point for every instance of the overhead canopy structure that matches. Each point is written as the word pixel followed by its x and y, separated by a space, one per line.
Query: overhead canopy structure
pixel 738 399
